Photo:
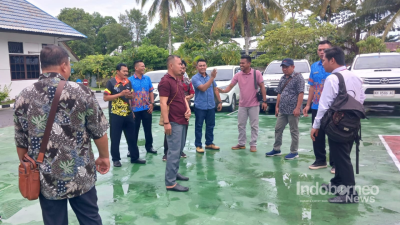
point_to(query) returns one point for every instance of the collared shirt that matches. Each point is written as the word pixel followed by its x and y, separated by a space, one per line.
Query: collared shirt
pixel 142 87
pixel 353 85
pixel 317 79
pixel 289 96
pixel 248 93
pixel 119 106
pixel 204 99
pixel 172 88
pixel 68 169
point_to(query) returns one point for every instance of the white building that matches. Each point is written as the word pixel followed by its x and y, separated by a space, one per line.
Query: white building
pixel 24 30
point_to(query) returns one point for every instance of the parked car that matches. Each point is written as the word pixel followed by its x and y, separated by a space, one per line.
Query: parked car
pixel 273 73
pixel 224 77
pixel 380 73
pixel 155 77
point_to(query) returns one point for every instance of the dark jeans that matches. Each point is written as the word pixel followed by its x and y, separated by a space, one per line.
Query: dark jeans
pixel 176 143
pixel 209 117
pixel 344 173
pixel 146 119
pixel 166 142
pixel 319 144
pixel 84 206
pixel 117 125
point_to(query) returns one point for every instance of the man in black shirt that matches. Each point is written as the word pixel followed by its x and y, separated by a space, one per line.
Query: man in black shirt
pixel 118 92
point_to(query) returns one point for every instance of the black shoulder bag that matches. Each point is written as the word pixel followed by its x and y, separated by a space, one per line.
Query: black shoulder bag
pixel 259 94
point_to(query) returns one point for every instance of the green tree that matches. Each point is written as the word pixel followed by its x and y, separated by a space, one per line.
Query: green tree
pixel 371 45
pixel 240 11
pixel 298 43
pixel 164 8
pixel 136 22
pixel 82 22
pixel 110 37
pixel 325 9
pixel 388 9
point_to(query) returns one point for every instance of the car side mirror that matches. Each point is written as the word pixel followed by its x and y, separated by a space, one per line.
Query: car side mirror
pixel 349 68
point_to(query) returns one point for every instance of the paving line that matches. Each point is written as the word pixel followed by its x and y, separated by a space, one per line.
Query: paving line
pixel 389 150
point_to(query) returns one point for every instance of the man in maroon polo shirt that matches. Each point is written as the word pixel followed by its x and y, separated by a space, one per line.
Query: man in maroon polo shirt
pixel 175 121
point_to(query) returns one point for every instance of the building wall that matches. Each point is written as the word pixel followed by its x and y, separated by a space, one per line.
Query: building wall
pixel 32 44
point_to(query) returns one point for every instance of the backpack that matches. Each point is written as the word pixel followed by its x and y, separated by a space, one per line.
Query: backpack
pixel 342 121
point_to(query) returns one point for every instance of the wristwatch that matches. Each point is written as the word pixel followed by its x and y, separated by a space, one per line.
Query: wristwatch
pixel 264 101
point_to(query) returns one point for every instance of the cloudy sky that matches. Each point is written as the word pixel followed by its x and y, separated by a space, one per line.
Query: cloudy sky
pixel 105 7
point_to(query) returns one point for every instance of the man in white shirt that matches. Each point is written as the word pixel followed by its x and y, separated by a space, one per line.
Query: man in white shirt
pixel 334 62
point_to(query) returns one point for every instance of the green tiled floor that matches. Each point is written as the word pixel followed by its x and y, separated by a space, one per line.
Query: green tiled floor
pixel 226 187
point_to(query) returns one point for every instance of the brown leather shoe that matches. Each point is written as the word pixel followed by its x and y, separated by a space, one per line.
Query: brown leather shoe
pixel 237 147
pixel 253 148
pixel 199 150
pixel 212 146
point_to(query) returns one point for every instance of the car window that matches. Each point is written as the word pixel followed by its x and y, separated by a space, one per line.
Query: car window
pixel 223 74
pixel 237 69
pixel 377 62
pixel 156 76
pixel 275 68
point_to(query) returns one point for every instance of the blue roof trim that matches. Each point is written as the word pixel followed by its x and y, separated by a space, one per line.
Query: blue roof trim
pixel 21 15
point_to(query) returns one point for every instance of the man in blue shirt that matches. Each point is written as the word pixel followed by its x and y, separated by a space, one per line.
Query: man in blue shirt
pixel 316 82
pixel 142 105
pixel 205 89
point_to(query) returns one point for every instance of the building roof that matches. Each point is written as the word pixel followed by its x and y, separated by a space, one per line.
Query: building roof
pixel 392 46
pixel 22 16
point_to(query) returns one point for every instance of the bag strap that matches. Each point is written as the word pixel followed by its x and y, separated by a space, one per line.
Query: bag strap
pixel 177 86
pixel 342 85
pixel 50 121
pixel 287 82
pixel 255 80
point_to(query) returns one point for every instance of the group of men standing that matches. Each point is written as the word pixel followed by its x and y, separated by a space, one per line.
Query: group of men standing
pixel 68 171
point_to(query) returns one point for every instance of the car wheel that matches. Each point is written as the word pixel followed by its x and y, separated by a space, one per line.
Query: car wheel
pixel 232 107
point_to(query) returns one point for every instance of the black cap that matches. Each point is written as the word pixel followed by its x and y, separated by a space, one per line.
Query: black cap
pixel 287 62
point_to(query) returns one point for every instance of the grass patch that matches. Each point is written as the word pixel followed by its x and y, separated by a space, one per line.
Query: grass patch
pixel 97 89
pixel 7 102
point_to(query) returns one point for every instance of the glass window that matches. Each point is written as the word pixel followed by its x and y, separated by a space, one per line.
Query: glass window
pixel 156 76
pixel 24 67
pixel 377 62
pixel 275 68
pixel 222 74
pixel 15 47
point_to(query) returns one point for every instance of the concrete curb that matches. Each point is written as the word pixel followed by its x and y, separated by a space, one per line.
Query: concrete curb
pixel 7 106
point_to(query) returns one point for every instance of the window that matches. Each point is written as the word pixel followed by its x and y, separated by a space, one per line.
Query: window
pixel 24 67
pixel 15 47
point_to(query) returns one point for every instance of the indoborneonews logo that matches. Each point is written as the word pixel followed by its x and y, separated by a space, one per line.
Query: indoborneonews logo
pixel 365 193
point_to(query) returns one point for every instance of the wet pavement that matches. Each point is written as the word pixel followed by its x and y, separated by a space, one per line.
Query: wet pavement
pixel 226 186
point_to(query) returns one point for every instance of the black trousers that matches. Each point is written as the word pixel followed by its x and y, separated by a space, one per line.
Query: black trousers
pixel 344 173
pixel 146 119
pixel 127 125
pixel 166 143
pixel 319 144
pixel 84 206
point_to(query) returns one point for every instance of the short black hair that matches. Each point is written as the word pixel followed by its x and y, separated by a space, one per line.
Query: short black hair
pixel 136 62
pixel 337 53
pixel 170 58
pixel 325 42
pixel 201 60
pixel 184 63
pixel 121 65
pixel 53 55
pixel 246 57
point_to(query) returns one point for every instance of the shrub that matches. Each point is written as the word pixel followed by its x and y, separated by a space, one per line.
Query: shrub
pixel 4 93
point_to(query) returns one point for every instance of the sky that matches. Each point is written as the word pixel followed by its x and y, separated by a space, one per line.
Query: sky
pixel 105 7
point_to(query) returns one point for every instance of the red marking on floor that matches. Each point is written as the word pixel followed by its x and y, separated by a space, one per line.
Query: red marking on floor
pixel 394 144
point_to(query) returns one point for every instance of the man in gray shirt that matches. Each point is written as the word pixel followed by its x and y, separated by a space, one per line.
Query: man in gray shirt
pixel 290 98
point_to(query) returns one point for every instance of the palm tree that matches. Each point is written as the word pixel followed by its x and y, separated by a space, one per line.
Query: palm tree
pixel 241 11
pixel 326 8
pixel 389 10
pixel 164 8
